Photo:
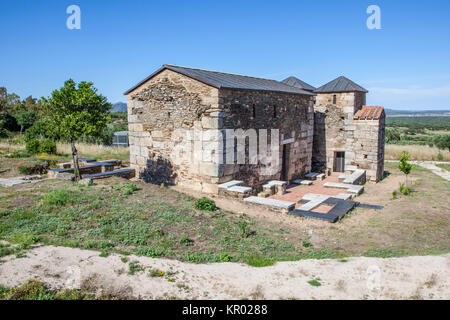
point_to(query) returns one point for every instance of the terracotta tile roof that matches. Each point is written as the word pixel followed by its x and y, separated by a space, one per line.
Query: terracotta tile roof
pixel 369 113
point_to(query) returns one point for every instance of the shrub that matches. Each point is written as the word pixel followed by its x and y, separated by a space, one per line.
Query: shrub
pixel 47 146
pixel 205 204
pixel 245 229
pixel 60 197
pixel 129 189
pixel 225 257
pixel 394 194
pixel 32 146
pixel 259 261
pixel 405 190
pixel 184 239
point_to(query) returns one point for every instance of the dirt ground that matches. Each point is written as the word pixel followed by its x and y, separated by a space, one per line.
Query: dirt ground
pixel 415 224
pixel 354 278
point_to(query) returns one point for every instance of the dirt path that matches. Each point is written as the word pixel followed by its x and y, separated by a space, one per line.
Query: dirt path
pixel 426 277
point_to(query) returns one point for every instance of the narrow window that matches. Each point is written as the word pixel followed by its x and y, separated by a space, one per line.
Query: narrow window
pixel 274 111
pixel 168 115
pixel 254 112
pixel 334 99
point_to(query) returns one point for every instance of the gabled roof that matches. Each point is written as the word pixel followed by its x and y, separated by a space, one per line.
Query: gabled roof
pixel 222 80
pixel 369 113
pixel 341 84
pixel 295 82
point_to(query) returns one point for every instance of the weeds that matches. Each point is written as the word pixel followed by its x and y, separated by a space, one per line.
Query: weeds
pixel 134 267
pixel 205 204
pixel 315 282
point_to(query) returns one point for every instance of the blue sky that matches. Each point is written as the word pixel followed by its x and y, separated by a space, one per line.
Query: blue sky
pixel 405 65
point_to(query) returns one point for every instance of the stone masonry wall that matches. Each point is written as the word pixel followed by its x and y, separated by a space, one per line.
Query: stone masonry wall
pixel 292 114
pixel 167 102
pixel 336 131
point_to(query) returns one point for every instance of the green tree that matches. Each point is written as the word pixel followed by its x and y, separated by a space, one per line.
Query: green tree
pixel 392 135
pixel 25 118
pixel 442 141
pixel 75 111
pixel 405 166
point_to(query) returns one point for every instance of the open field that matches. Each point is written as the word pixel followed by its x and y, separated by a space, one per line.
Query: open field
pixel 417 152
pixel 13 156
pixel 118 216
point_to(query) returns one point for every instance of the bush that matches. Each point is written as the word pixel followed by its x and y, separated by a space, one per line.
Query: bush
pixel 32 146
pixel 47 146
pixel 205 204
pixel 60 197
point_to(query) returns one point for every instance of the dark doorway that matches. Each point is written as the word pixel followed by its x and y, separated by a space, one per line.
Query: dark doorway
pixel 285 163
pixel 339 161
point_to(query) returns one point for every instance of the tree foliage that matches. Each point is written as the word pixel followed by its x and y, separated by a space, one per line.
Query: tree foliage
pixel 76 111
pixel 404 165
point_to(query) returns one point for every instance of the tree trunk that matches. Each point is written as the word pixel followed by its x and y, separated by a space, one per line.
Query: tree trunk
pixel 76 168
pixel 406 181
pixel 21 129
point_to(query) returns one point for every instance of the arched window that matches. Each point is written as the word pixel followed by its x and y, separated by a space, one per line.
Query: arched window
pixel 334 99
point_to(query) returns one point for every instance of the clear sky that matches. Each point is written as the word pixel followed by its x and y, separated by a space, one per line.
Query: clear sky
pixel 405 65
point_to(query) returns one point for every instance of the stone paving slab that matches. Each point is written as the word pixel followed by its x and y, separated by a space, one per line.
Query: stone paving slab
pixel 322 216
pixel 344 196
pixel 127 172
pixel 354 177
pixel 271 202
pixel 311 175
pixel 240 189
pixel 303 182
pixel 12 182
pixel 230 184
pixel 350 187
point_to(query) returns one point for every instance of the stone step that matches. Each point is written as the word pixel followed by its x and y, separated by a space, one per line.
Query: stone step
pixel 311 175
pixel 358 176
pixel 345 196
pixel 271 202
pixel 275 187
pixel 320 176
pixel 240 189
pixel 230 184
pixel 303 182
pixel 350 187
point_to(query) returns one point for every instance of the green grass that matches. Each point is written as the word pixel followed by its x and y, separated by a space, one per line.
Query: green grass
pixel 144 222
pixel 315 282
pixel 445 166
pixel 36 290
pixel 259 261
pixel 383 253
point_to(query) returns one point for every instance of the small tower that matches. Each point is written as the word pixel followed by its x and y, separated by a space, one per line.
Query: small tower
pixel 341 143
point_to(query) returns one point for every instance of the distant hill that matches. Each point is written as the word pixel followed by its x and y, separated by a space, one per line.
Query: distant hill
pixel 422 113
pixel 119 107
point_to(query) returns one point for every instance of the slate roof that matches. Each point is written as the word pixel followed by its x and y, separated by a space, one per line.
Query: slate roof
pixel 369 113
pixel 222 80
pixel 341 84
pixel 295 82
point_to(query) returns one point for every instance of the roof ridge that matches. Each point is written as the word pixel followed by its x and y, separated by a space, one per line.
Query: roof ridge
pixel 221 72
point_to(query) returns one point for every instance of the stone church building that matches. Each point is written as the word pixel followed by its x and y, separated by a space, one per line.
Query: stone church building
pixel 199 129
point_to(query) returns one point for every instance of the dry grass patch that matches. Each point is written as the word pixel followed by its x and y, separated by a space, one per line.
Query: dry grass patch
pixel 417 152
